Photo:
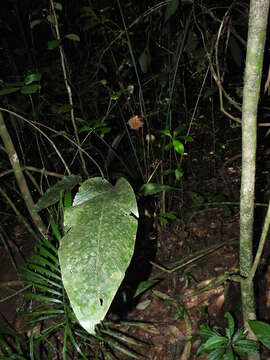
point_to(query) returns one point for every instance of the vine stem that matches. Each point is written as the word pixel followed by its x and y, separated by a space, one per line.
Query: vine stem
pixel 68 88
pixel 260 247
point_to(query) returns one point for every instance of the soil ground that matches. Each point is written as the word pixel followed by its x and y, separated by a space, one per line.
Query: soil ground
pixel 204 243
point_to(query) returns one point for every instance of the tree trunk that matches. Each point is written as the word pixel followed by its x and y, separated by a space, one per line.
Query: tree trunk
pixel 252 80
pixel 15 163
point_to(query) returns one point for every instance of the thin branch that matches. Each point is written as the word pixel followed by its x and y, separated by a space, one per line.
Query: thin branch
pixel 68 88
pixel 260 247
pixel 41 132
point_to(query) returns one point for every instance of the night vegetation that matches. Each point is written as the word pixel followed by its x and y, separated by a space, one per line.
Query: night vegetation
pixel 134 179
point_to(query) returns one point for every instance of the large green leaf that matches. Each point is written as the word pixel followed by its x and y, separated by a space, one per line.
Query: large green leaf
pixel 98 246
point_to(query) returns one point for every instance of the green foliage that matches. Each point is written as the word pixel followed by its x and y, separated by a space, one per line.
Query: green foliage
pixel 29 79
pixel 207 199
pixel 175 140
pixel 26 88
pixel 53 44
pixel 152 189
pixel 11 346
pixel 145 60
pixel 144 63
pixel 171 9
pixel 52 194
pixel 165 217
pixel 225 347
pixel 145 285
pixel 73 37
pixel 97 247
pixel 180 311
pixel 52 314
pixel 262 331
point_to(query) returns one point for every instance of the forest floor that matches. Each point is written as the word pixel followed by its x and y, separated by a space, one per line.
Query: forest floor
pixel 202 248
pixel 201 286
pixel 201 281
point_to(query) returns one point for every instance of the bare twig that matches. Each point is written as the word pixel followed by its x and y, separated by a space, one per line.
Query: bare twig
pixel 41 132
pixel 68 88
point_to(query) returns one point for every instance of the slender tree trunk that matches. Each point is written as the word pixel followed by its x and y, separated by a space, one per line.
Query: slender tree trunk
pixel 252 80
pixel 15 163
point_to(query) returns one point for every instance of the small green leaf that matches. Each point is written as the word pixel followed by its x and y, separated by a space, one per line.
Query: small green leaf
pixel 171 215
pixel 161 295
pixel 206 332
pixel 143 304
pixel 32 78
pixel 145 285
pixel 8 90
pixel 178 174
pixel 168 146
pixel 239 335
pixel 14 84
pixel 130 89
pixel 67 200
pixel 53 44
pixel 213 343
pixel 171 9
pixel 262 330
pixel 63 109
pixel 115 96
pixel 168 172
pixel 88 11
pixel 186 138
pixel 86 128
pixel 178 146
pixel 230 329
pixel 228 354
pixel 176 132
pixel 30 89
pixel 55 229
pixel 216 354
pixel 245 346
pixel 58 6
pixel 152 188
pixel 145 60
pixel 73 37
pixel 195 198
pixel 166 132
pixel 50 19
pixel 34 23
pixel 103 82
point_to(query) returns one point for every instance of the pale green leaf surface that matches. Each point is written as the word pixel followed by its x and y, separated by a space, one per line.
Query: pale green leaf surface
pixel 97 249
